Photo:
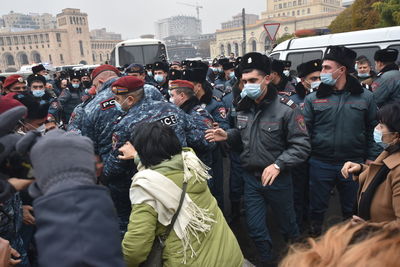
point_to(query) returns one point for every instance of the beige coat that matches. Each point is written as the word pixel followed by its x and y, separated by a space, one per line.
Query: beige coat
pixel 385 205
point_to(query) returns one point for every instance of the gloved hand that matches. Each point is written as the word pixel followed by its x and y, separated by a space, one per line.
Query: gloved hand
pixel 60 160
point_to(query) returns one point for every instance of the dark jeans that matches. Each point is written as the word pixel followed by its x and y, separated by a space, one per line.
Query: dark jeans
pixel 217 182
pixel 235 179
pixel 301 181
pixel 323 178
pixel 280 198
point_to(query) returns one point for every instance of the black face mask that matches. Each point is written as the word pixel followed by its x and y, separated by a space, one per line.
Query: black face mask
pixel 87 84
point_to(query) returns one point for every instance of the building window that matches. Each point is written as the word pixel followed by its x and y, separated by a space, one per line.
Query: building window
pixel 280 6
pixel 303 12
pixel 41 38
pixel 35 39
pixel 284 5
pixel 298 12
pixel 8 39
pixel 24 59
pixel 70 20
pixel 61 58
pixel 50 58
pixel 289 4
pixel 47 38
pixel 101 57
pixel 81 48
pixel 254 46
pixel 10 60
pixel 293 14
pixel 58 37
pixel 22 39
pixel 308 11
pixel 1 41
pixel 36 57
pixel 94 57
pixel 299 2
pixel 16 40
pixel 222 49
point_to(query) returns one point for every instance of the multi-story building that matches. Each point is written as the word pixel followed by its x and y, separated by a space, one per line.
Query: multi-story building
pixel 291 16
pixel 102 34
pixel 68 44
pixel 237 21
pixel 178 26
pixel 19 22
pixel 300 8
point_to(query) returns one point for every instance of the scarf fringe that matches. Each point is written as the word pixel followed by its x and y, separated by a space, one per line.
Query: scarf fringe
pixel 192 164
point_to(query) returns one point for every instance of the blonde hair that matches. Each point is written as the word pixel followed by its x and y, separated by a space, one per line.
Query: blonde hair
pixel 349 245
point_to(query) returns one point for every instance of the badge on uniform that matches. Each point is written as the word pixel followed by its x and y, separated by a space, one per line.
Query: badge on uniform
pixel 222 112
pixel 301 123
pixel 107 104
pixel 169 121
pixel 114 141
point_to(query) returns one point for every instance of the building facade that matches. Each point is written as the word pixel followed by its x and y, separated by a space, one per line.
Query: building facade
pixel 291 15
pixel 177 26
pixel 237 21
pixel 68 44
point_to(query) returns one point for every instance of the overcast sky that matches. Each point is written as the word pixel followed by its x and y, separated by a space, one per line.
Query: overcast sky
pixel 133 18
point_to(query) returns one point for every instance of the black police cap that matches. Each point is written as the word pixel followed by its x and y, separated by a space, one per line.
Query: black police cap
pixel 174 75
pixel 161 65
pixel 342 55
pixel 35 78
pixel 195 75
pixel 256 61
pixel 386 55
pixel 278 66
pixel 309 67
pixel 228 65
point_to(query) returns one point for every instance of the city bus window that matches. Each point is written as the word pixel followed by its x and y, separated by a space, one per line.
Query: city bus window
pixel 369 52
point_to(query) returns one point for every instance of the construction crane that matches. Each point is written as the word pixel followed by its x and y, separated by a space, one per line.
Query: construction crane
pixel 197 6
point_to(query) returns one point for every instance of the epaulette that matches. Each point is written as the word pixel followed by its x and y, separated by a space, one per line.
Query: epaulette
pixel 289 102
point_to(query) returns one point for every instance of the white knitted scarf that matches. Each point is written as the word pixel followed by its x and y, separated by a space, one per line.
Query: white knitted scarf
pixel 152 188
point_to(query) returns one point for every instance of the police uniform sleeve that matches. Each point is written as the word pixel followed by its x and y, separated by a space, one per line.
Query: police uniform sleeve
pixel 308 113
pixel 219 115
pixel 195 133
pixel 55 109
pixel 75 121
pixel 373 149
pixel 298 143
pixel 64 97
pixel 385 90
pixel 115 168
pixel 153 92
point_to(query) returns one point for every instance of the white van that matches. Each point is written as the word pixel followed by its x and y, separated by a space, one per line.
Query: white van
pixel 365 43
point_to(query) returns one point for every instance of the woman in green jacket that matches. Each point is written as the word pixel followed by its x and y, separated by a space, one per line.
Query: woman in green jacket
pixel 200 236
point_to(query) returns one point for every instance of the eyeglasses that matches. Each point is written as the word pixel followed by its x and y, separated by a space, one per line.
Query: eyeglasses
pixel 37 86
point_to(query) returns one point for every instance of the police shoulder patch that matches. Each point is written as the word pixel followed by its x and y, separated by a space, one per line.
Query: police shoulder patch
pixel 222 112
pixel 289 102
pixel 169 120
pixel 216 98
pixel 107 104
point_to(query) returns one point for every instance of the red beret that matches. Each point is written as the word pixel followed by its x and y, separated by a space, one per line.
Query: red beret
pixel 126 84
pixel 10 80
pixel 7 102
pixel 180 83
pixel 102 68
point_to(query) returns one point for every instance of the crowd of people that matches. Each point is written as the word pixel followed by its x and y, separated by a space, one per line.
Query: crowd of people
pixel 127 166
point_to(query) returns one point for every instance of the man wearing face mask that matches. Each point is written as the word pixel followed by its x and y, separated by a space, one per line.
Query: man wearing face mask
pixel 386 87
pixel 226 80
pixel 278 79
pixel 14 84
pixel 160 72
pixel 131 100
pixel 309 74
pixel 85 80
pixel 340 117
pixel 36 84
pixel 365 75
pixel 71 96
pixel 273 136
pixel 213 71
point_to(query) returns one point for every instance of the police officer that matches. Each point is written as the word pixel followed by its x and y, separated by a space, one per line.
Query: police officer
pixel 386 87
pixel 308 73
pixel 36 84
pixel 340 117
pixel 274 139
pixel 182 94
pixel 213 71
pixel 160 72
pixel 71 96
pixel 14 84
pixel 130 99
pixel 85 80
pixel 282 83
pixel 225 82
pixel 203 91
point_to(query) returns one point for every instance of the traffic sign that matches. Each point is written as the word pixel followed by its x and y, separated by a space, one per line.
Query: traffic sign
pixel 272 29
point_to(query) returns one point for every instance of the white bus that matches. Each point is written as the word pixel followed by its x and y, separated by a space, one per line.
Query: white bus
pixel 141 51
pixel 365 43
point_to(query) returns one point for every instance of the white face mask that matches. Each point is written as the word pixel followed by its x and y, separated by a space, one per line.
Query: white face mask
pixel 286 73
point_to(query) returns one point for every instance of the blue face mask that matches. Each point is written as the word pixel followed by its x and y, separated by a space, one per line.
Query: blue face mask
pixel 76 85
pixel 378 136
pixel 315 85
pixel 363 75
pixel 232 75
pixel 251 90
pixel 150 74
pixel 159 78
pixel 38 93
pixel 118 106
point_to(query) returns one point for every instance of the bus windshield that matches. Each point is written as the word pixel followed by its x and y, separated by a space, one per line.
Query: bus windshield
pixel 141 54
